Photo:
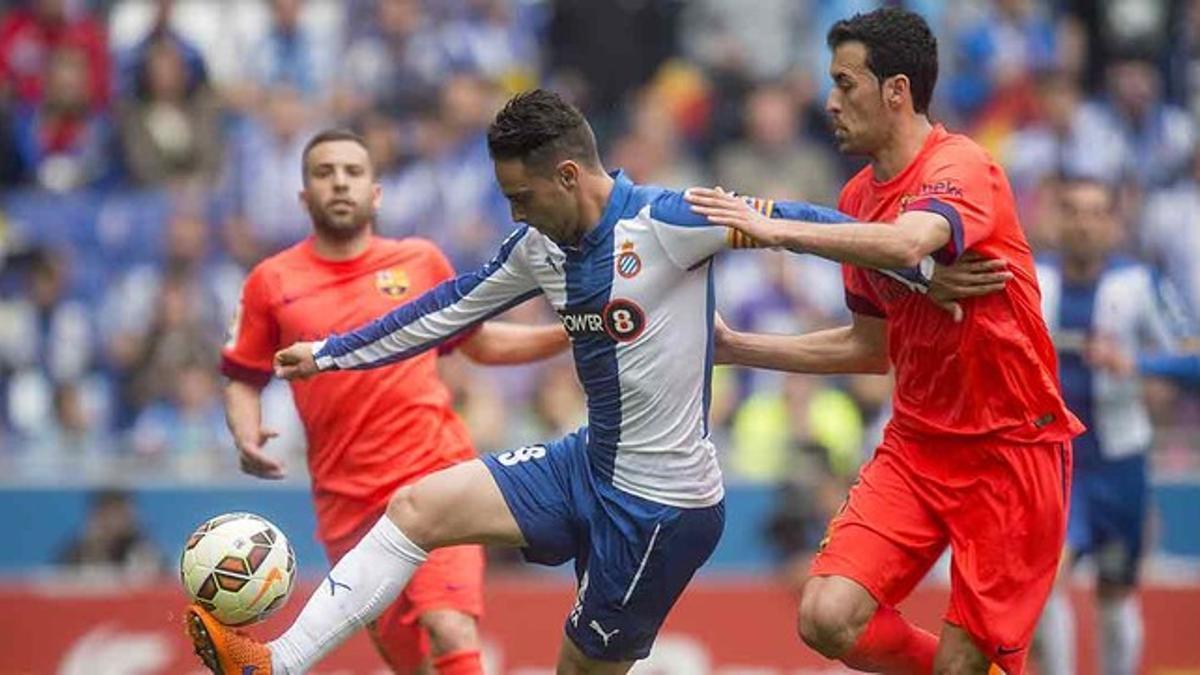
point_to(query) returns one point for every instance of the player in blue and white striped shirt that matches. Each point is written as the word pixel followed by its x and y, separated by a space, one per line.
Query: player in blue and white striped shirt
pixel 635 498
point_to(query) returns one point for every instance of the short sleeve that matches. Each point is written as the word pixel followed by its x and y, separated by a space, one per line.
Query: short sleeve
pixel 960 185
pixel 860 295
pixel 253 335
pixel 686 236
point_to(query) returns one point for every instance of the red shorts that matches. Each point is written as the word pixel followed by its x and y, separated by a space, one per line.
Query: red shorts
pixel 1001 508
pixel 452 578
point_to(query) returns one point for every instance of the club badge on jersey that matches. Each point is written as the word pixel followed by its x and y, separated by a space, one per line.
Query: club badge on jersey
pixel 392 282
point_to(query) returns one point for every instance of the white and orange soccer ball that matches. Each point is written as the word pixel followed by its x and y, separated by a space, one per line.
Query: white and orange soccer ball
pixel 239 567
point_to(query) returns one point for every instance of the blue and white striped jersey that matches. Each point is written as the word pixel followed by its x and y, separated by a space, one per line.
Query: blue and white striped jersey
pixel 636 297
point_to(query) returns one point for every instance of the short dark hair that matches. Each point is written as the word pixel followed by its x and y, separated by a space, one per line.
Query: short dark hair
pixel 539 128
pixel 329 136
pixel 898 42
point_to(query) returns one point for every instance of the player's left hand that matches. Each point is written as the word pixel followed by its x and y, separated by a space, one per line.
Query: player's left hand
pixel 296 362
pixel 972 275
pixel 725 208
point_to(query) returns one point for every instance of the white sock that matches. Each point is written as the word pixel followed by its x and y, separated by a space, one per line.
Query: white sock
pixel 1121 635
pixel 1056 636
pixel 363 583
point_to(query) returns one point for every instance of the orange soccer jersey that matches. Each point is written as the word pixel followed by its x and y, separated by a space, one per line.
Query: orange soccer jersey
pixel 1000 354
pixel 368 431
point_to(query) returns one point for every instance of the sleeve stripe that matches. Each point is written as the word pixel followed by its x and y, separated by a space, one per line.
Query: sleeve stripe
pixel 954 248
pixel 861 305
pixel 251 376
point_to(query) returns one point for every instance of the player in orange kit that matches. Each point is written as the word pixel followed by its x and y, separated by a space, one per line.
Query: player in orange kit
pixel 368 431
pixel 977 454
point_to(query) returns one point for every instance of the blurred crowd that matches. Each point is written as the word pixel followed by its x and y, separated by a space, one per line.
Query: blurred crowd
pixel 150 154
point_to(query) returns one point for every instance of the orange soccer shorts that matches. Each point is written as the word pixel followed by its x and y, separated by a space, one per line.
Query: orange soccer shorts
pixel 1000 507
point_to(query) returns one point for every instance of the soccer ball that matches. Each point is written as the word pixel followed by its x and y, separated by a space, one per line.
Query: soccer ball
pixel 239 567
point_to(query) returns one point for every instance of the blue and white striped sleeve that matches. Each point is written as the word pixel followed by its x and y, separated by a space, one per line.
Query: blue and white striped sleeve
pixel 441 313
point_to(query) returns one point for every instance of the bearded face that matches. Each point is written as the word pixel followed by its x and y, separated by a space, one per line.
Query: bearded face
pixel 340 192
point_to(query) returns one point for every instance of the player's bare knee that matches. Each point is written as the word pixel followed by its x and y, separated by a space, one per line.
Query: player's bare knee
pixel 827 622
pixel 406 511
pixel 450 631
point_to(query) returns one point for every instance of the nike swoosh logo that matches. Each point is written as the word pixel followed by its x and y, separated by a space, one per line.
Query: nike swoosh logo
pixel 273 576
pixel 1006 651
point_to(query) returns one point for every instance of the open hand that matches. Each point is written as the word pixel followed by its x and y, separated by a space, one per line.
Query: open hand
pixel 725 208
pixel 256 462
pixel 972 275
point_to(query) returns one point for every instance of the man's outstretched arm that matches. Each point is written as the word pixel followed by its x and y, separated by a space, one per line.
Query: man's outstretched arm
pixel 499 343
pixel 903 244
pixel 860 347
pixel 441 313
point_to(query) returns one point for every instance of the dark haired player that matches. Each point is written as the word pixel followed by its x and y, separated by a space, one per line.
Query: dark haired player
pixel 368 432
pixel 977 455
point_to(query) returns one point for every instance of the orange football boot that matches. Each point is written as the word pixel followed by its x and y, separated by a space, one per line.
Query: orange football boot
pixel 224 650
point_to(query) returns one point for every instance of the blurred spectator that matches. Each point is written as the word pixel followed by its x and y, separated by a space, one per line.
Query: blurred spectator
pixel 498 40
pixel 997 52
pixel 1170 235
pixel 471 215
pixel 32 32
pixel 595 70
pixel 802 411
pixel 180 333
pixel 262 181
pixel 73 437
pixel 292 54
pixel 133 60
pixel 1114 27
pixel 132 302
pixel 187 430
pixel 651 151
pixel 805 499
pixel 45 341
pixel 170 128
pixel 773 160
pixel 755 46
pixel 62 142
pixel 1160 137
pixel 1065 137
pixel 398 63
pixel 112 539
pixel 1183 57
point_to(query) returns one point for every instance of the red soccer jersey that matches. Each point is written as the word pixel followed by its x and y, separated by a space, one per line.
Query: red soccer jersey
pixel 994 375
pixel 369 431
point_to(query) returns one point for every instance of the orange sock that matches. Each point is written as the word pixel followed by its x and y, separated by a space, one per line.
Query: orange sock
pixel 890 644
pixel 462 662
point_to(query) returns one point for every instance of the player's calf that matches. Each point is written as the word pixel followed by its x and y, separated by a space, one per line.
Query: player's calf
pixel 833 613
pixel 958 655
pixel 450 631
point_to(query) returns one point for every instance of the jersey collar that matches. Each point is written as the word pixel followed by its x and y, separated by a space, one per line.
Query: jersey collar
pixel 617 200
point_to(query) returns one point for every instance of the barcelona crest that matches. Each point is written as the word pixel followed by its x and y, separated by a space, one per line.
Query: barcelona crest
pixel 392 282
